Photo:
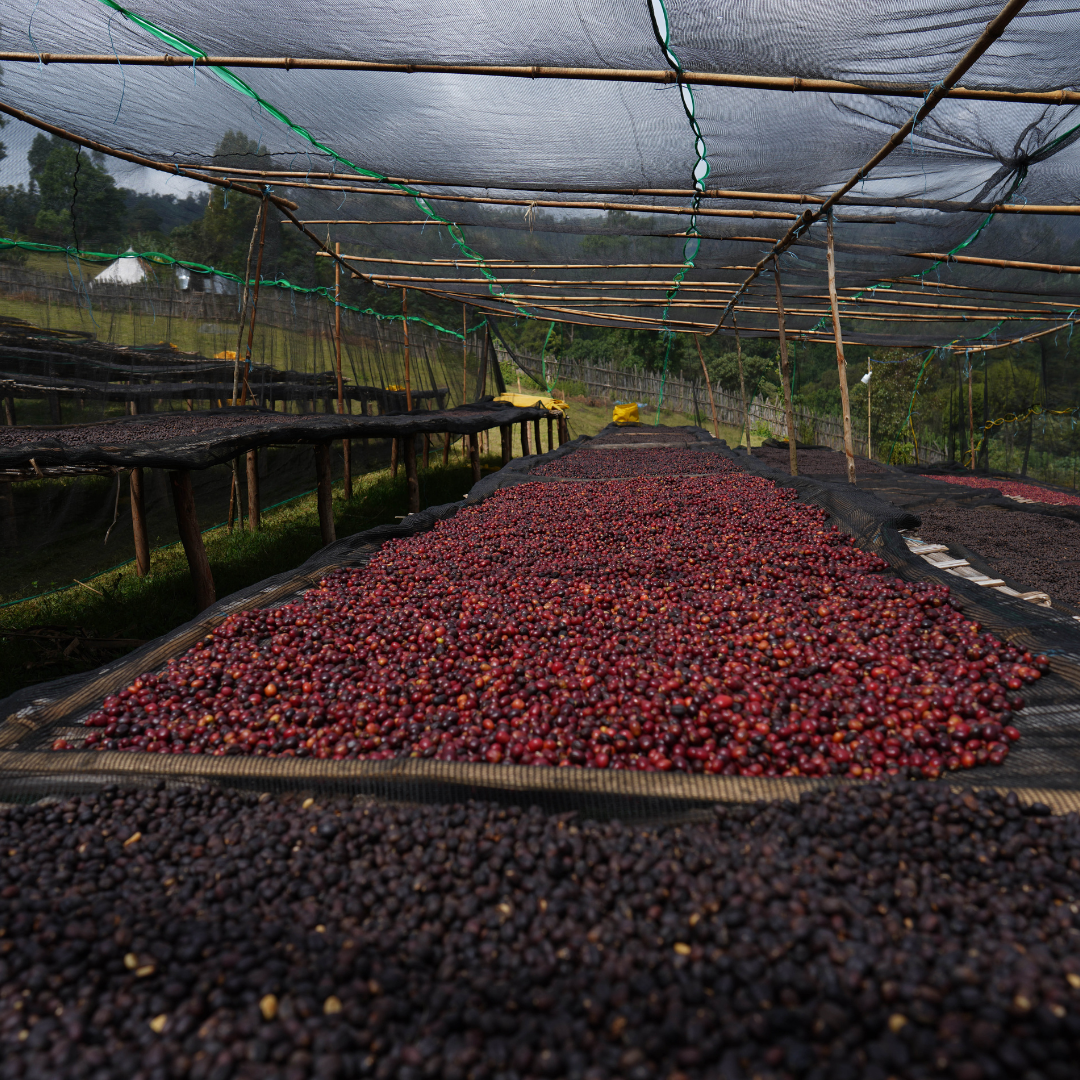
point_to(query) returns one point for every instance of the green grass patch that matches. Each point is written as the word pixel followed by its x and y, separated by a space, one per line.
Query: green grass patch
pixel 36 635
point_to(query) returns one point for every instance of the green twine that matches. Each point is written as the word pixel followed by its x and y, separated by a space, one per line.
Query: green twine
pixel 158 258
pixel 238 84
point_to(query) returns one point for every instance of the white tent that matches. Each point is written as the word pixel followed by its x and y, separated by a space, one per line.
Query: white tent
pixel 129 269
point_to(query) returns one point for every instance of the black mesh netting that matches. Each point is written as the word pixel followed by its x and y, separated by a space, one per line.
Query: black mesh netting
pixel 1045 763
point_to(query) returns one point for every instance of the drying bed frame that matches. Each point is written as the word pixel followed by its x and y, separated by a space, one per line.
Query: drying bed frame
pixel 1043 767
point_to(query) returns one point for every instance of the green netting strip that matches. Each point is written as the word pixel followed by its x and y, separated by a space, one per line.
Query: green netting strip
pixel 158 258
pixel 692 244
pixel 238 84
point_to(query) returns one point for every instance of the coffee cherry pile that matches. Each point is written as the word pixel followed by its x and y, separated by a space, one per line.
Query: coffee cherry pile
pixel 901 931
pixel 706 625
pixel 1013 487
pixel 655 461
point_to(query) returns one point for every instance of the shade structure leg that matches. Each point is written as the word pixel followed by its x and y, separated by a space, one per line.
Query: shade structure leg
pixel 551 438
pixel 564 429
pixel 427 451
pixel 474 457
pixel 9 411
pixel 536 435
pixel 841 363
pixel 393 458
pixel 346 452
pixel 253 500
pixel 524 438
pixel 506 439
pixel 188 525
pixel 411 483
pixel 785 376
pixel 325 492
pixel 138 523
pixel 446 448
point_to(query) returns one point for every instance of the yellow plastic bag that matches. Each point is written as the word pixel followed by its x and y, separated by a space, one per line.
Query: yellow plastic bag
pixel 625 413
pixel 525 400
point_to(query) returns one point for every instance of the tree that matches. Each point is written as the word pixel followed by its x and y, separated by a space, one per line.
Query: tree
pixel 80 202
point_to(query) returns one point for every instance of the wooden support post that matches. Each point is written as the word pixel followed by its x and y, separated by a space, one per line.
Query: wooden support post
pixel 971 416
pixel 411 484
pixel 405 330
pixel 841 363
pixel 325 492
pixel 524 438
pixel 474 458
pixel 346 446
pixel 191 537
pixel 346 453
pixel 54 409
pixel 234 496
pixel 481 373
pixel 551 436
pixel 742 386
pixel 506 438
pixel 446 448
pixel 255 299
pixel 427 450
pixel 464 353
pixel 564 429
pixel 393 458
pixel 708 385
pixel 536 434
pixel 138 523
pixel 253 490
pixel 785 375
pixel 9 411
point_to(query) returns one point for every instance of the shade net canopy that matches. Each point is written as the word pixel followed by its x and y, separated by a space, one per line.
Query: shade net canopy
pixel 617 201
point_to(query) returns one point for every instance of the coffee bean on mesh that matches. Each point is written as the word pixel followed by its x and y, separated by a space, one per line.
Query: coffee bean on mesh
pixel 886 931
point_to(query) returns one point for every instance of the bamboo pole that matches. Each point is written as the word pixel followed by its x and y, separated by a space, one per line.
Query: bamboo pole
pixel 405 330
pixel 244 306
pixel 708 385
pixel 254 300
pixel 138 523
pixel 971 416
pixel 788 197
pixel 187 524
pixel 841 363
pixel 464 353
pixel 785 376
pixel 742 387
pixel 525 438
pixel 346 444
pixel 572 204
pixel 412 485
pixel 543 71
pixel 474 458
pixel 253 500
pixel 324 492
pixel 138 159
pixel 994 29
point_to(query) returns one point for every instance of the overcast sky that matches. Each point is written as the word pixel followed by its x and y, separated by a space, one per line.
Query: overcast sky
pixel 17 137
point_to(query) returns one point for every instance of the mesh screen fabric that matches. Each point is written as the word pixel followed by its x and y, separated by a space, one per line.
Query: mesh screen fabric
pixel 528 135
